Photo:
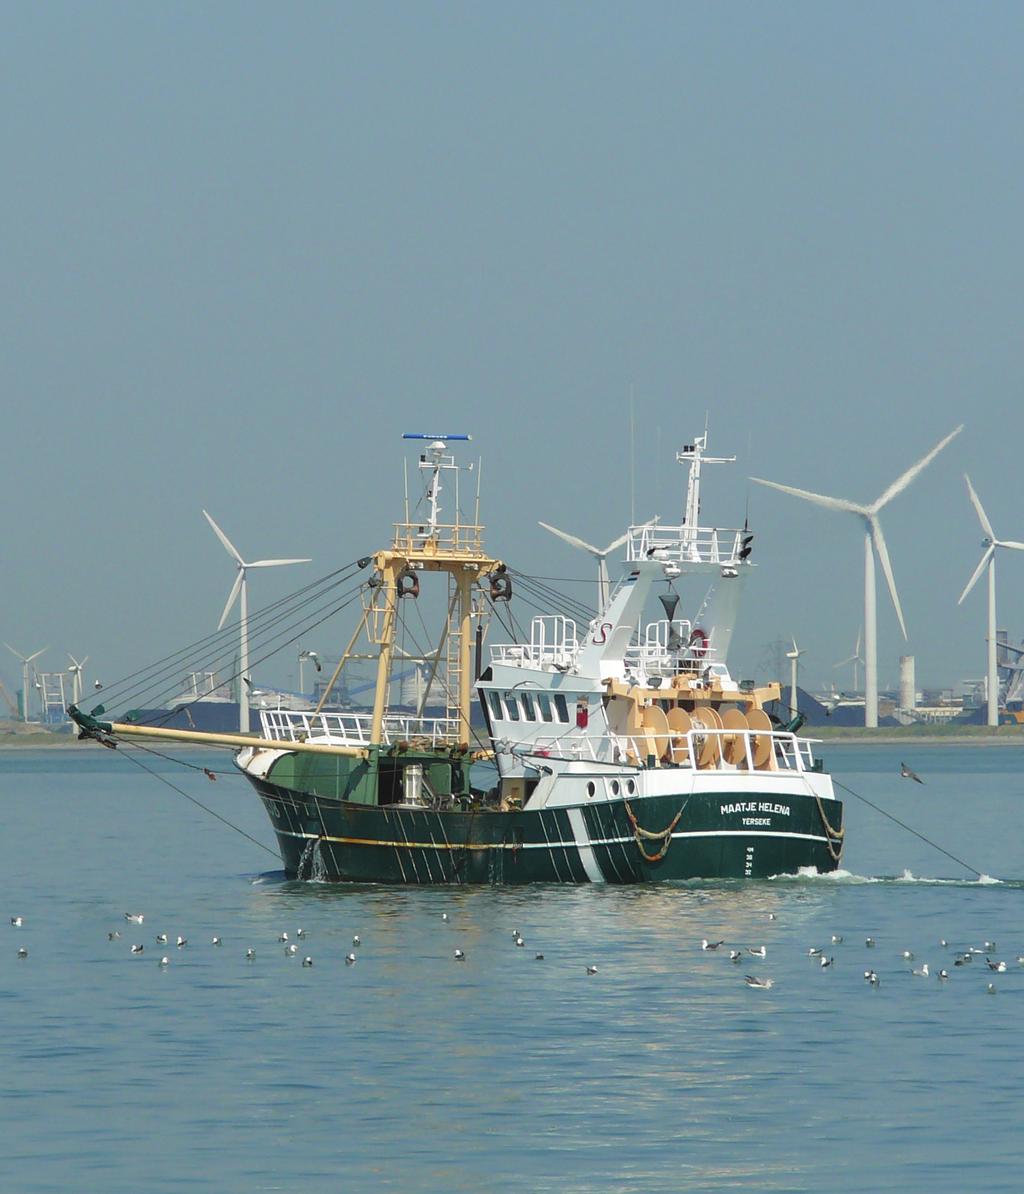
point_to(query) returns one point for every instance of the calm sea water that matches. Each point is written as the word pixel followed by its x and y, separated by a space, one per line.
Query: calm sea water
pixel 411 1071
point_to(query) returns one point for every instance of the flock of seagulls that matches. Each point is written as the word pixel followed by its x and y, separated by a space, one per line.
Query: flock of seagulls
pixel 965 957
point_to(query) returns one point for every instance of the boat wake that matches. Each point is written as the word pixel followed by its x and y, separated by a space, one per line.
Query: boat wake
pixel 812 875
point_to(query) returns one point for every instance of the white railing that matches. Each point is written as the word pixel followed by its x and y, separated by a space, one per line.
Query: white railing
pixel 695 545
pixel 553 640
pixel 353 729
pixel 788 752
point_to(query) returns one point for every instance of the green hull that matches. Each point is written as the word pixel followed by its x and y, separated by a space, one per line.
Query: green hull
pixel 341 840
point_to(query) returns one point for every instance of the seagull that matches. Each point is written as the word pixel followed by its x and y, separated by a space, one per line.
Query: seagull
pixel 942 975
pixel 734 955
pixel 113 936
pixel 961 961
pixel 998 967
pixel 357 941
pixel 836 939
pixel 908 774
pixel 771 915
pixel 216 941
pixel 17 922
pixel 300 933
pixel 922 973
pixel 307 961
pixel 759 984
pixel 444 915
pixel 350 959
pixel 869 942
pixel 943 943
pixel 538 957
pixel 250 953
pixel 1020 959
pixel 706 944
pixel 826 962
pixel 134 918
pixel 161 938
pixel 458 955
pixel 990 946
pixel 283 938
pixel 814 953
pixel 22 952
pixel 137 949
pixel 760 952
pixel 181 942
pixel 868 974
pixel 520 941
pixel 291 950
pixel 165 961
pixel 873 979
pixel 907 955
pixel 591 970
pixel 991 988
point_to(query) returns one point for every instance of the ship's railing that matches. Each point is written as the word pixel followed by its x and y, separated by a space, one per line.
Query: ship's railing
pixel 724 750
pixel 695 545
pixel 561 747
pixel 444 537
pixel 553 640
pixel 353 729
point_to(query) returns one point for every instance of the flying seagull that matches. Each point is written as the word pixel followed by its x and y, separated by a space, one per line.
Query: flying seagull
pixel 908 774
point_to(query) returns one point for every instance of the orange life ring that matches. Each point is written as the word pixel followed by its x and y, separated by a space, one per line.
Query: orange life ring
pixel 698 645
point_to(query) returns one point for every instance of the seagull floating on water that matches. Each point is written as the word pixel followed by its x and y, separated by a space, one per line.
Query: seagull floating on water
pixel 307 961
pixel 137 949
pixel 444 915
pixel 283 938
pixel 759 984
pixel 181 942
pixel 907 955
pixel 538 957
pixel 908 774
pixel 216 941
pixel 998 967
pixel 734 955
pixel 942 975
pixel 250 953
pixel 22 952
pixel 161 938
pixel 760 952
pixel 113 935
pixel 826 962
pixel 991 988
pixel 922 973
pixel 17 921
pixel 134 918
pixel 520 941
pixel 869 942
pixel 706 944
pixel 165 961
pixel 458 955
pixel 357 941
pixel 291 950
pixel 814 953
pixel 350 959
pixel 837 939
pixel 591 970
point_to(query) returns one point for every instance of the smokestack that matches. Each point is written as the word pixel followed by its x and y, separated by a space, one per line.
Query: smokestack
pixel 907 687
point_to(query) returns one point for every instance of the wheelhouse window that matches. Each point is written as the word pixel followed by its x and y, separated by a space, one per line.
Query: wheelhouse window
pixel 512 705
pixel 496 710
pixel 527 700
pixel 561 708
pixel 544 704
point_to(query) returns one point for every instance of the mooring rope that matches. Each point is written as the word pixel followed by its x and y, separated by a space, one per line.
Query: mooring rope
pixel 640 834
pixel 927 840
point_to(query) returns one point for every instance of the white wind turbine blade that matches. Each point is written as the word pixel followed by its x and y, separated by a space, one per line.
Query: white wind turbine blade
pixel 1009 543
pixel 229 546
pixel 987 555
pixel 820 499
pixel 575 541
pixel 986 526
pixel 232 597
pixel 275 563
pixel 904 479
pixel 883 556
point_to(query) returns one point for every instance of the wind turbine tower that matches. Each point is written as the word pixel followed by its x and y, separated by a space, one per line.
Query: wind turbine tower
pixel 25 689
pixel 874 541
pixel 988 559
pixel 601 555
pixel 240 587
pixel 793 656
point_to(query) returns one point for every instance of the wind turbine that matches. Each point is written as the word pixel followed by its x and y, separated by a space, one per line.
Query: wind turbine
pixel 988 558
pixel 25 661
pixel 76 669
pixel 855 659
pixel 793 656
pixel 603 585
pixel 874 541
pixel 303 656
pixel 240 586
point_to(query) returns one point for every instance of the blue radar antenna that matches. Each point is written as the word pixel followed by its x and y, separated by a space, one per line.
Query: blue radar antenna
pixel 419 435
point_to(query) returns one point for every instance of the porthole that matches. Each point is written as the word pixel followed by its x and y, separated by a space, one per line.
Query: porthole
pixel 615 787
pixel 630 787
pixel 591 789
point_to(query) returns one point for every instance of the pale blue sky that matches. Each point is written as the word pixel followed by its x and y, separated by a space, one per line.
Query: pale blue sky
pixel 247 245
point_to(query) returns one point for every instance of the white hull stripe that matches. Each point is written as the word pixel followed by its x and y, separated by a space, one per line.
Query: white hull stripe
pixel 587 856
pixel 607 841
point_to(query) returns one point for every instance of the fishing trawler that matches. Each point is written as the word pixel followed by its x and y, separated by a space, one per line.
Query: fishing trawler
pixel 621 749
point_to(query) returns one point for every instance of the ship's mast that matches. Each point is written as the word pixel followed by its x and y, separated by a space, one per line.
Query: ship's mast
pixel 694 453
